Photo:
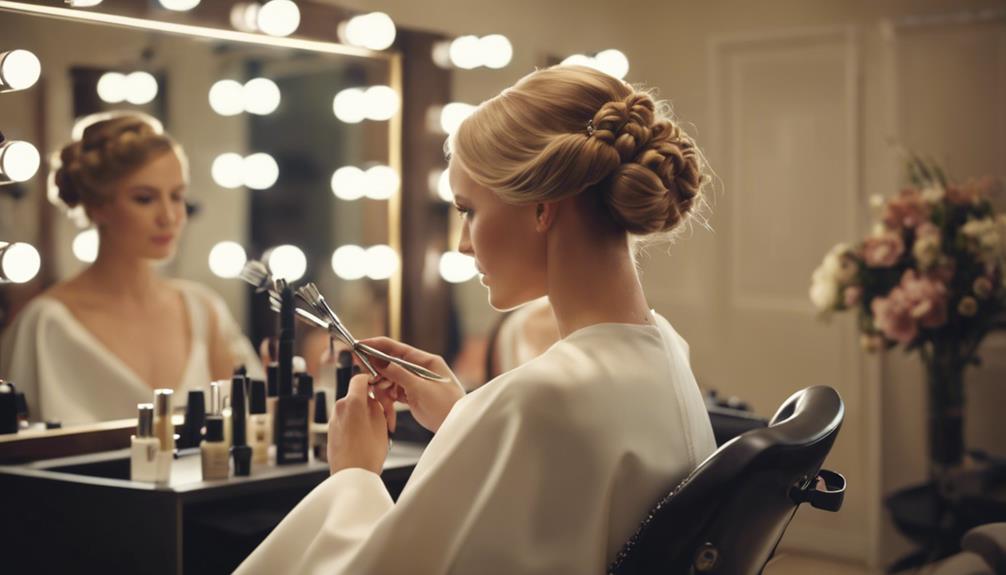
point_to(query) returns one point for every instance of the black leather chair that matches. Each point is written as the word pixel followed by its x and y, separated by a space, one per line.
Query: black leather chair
pixel 728 516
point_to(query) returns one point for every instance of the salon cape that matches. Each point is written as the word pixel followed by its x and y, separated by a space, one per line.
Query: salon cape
pixel 548 468
pixel 68 375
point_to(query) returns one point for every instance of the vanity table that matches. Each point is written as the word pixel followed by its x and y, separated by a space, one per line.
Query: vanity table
pixel 83 514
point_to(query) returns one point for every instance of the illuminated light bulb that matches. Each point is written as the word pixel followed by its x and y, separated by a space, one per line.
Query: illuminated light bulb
pixel 83 3
pixel 141 88
pixel 496 51
pixel 227 259
pixel 453 115
pixel 19 69
pixel 278 18
pixel 444 187
pixel 227 97
pixel 382 182
pixel 244 16
pixel 350 106
pixel 378 31
pixel 261 96
pixel 381 102
pixel 382 261
pixel 286 262
pixel 112 87
pixel 349 262
pixel 179 5
pixel 612 62
pixel 349 183
pixel 456 267
pixel 19 161
pixel 260 171
pixel 85 246
pixel 19 262
pixel 227 170
pixel 466 52
pixel 579 60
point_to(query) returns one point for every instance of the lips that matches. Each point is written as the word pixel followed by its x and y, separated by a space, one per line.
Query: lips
pixel 161 240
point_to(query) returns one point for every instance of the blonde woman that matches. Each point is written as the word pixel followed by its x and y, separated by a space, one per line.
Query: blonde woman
pixel 550 467
pixel 92 347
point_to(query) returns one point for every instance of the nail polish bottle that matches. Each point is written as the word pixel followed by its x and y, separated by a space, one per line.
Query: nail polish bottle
pixel 259 425
pixel 213 450
pixel 164 431
pixel 144 447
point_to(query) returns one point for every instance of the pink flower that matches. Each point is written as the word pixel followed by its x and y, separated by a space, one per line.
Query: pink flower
pixel 928 298
pixel 893 316
pixel 906 210
pixel 883 250
pixel 972 191
pixel 853 295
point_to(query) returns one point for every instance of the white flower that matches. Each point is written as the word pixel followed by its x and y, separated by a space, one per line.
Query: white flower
pixel 828 279
pixel 933 194
pixel 985 239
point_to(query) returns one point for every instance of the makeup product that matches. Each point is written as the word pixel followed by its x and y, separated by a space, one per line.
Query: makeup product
pixel 305 388
pixel 343 374
pixel 23 421
pixel 218 406
pixel 8 408
pixel 164 431
pixel 319 427
pixel 144 447
pixel 291 424
pixel 213 450
pixel 195 419
pixel 240 451
pixel 259 424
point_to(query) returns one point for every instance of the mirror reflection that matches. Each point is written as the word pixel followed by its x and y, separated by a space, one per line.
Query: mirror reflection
pixel 166 163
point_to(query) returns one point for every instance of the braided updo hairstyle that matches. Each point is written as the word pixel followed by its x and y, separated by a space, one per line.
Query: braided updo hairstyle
pixel 108 151
pixel 567 130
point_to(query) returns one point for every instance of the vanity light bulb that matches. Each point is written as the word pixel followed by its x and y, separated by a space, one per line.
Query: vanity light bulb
pixel 466 52
pixel 83 3
pixel 227 97
pixel 456 267
pixel 496 51
pixel 381 103
pixel 227 259
pixel 112 87
pixel 579 60
pixel 349 183
pixel 278 18
pixel 141 88
pixel 612 62
pixel 350 106
pixel 349 262
pixel 453 114
pixel 287 262
pixel 19 69
pixel 19 262
pixel 85 246
pixel 378 31
pixel 19 161
pixel 179 5
pixel 382 182
pixel 260 171
pixel 382 261
pixel 227 170
pixel 444 187
pixel 261 96
pixel 244 16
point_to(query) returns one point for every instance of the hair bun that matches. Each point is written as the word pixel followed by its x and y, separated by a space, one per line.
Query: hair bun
pixel 70 166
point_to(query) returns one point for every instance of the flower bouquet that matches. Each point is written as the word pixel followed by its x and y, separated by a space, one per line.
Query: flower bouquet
pixel 929 278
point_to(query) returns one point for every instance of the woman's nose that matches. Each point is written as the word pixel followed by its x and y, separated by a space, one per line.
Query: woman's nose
pixel 465 243
pixel 166 213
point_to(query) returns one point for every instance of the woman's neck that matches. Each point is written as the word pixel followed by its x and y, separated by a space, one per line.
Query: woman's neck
pixel 123 277
pixel 592 279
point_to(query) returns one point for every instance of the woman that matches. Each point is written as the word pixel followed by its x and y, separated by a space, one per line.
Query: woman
pixel 550 467
pixel 92 347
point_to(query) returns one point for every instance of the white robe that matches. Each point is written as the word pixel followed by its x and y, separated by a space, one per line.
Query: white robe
pixel 69 376
pixel 548 468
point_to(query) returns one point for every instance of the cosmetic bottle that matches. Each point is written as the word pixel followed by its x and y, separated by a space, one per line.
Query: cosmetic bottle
pixel 213 450
pixel 23 421
pixel 219 407
pixel 291 423
pixel 195 419
pixel 164 431
pixel 259 425
pixel 240 451
pixel 319 427
pixel 343 374
pixel 8 408
pixel 305 388
pixel 144 447
pixel 272 391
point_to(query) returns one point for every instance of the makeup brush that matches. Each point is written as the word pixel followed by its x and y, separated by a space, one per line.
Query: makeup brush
pixel 257 274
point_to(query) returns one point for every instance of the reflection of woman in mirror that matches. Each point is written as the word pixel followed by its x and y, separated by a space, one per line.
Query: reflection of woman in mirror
pixel 91 347
pixel 550 467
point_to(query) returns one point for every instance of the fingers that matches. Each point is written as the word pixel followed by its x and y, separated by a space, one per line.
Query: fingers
pixel 399 349
pixel 388 406
pixel 358 387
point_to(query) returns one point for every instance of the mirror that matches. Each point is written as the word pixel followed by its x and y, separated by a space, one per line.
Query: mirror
pixel 304 140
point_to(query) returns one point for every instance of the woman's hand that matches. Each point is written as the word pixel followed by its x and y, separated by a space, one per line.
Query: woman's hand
pixel 429 401
pixel 358 430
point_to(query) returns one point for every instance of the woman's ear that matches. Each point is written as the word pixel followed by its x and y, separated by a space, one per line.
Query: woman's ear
pixel 545 214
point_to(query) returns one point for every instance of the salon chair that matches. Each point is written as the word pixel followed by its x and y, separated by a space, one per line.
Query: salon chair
pixel 728 515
